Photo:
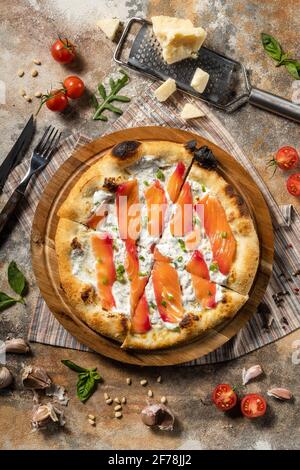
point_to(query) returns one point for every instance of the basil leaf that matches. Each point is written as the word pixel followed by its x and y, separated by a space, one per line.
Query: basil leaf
pixel 74 366
pixel 16 279
pixel 6 301
pixel 271 46
pixel 293 67
pixel 85 387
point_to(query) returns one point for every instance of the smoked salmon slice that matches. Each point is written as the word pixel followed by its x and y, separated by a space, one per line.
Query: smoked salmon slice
pixel 128 210
pixel 97 217
pixel 137 282
pixel 176 181
pixel 221 238
pixel 182 221
pixel 167 292
pixel 140 322
pixel 197 265
pixel 102 247
pixel 205 291
pixel 156 201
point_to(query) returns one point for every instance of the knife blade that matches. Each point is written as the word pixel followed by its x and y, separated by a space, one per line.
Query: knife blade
pixel 16 153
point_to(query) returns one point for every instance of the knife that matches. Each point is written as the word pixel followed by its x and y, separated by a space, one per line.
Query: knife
pixel 15 155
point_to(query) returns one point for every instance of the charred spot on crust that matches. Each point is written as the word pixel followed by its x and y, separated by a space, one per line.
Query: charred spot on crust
pixel 186 321
pixel 125 149
pixel 87 295
pixel 191 145
pixel 124 323
pixel 239 200
pixel 111 184
pixel 205 158
pixel 75 244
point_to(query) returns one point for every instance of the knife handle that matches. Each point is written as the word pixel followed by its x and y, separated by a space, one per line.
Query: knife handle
pixel 9 208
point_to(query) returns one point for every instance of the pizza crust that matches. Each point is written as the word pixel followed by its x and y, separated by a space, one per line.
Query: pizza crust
pixel 245 265
pixel 192 326
pixel 82 296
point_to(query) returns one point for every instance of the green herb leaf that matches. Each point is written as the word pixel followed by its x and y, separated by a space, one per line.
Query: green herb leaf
pixel 152 304
pixel 115 87
pixel 6 301
pixel 146 183
pixel 214 267
pixel 182 245
pixel 120 271
pixel 73 366
pixel 143 274
pixel 203 188
pixel 160 175
pixel 272 46
pixel 170 296
pixel 164 303
pixel 180 259
pixel 293 67
pixel 87 379
pixel 224 234
pixel 16 279
pixel 141 258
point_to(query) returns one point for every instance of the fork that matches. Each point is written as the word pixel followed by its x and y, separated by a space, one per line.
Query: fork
pixel 40 158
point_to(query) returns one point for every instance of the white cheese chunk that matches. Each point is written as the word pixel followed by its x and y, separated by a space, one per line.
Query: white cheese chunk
pixel 109 27
pixel 190 111
pixel 178 38
pixel 200 80
pixel 165 90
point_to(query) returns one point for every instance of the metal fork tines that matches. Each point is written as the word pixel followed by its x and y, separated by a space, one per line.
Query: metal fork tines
pixel 41 154
pixel 40 157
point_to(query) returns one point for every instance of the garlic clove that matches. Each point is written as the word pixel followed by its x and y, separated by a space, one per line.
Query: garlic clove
pixel 251 373
pixel 46 414
pixel 58 392
pixel 6 377
pixel 35 378
pixel 280 393
pixel 17 346
pixel 158 415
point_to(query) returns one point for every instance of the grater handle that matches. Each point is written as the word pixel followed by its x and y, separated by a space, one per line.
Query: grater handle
pixel 274 104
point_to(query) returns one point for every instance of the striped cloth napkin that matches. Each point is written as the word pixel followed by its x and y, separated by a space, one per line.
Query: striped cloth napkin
pixel 272 321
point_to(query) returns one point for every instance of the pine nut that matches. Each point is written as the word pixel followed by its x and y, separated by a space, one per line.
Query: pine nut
pixel 118 408
pixel 92 417
pixel 158 379
pixel 143 382
pixel 128 381
pixel 21 73
pixel 123 400
pixel 38 94
pixel 163 400
pixel 109 401
pixel 34 73
pixel 118 414
pixel 92 422
pixel 106 396
pixel 22 92
pixel 150 393
pixel 37 62
pixel 117 400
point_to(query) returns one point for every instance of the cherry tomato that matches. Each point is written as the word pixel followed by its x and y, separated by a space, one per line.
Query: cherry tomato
pixel 293 184
pixel 224 397
pixel 63 51
pixel 253 405
pixel 286 158
pixel 56 100
pixel 74 87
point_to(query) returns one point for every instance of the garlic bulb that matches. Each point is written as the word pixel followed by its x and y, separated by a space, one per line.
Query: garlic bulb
pixel 17 346
pixel 35 378
pixel 6 377
pixel 46 414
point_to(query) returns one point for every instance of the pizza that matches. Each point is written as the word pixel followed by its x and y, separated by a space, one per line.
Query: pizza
pixel 154 246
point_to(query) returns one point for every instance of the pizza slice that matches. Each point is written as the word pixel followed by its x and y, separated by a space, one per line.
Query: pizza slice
pixel 211 231
pixel 177 307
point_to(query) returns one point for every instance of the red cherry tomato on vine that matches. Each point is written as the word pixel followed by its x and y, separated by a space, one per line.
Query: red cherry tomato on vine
pixel 293 184
pixel 286 158
pixel 253 405
pixel 63 51
pixel 56 100
pixel 74 87
pixel 224 397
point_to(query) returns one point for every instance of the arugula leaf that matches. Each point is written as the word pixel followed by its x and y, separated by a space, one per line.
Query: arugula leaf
pixel 182 245
pixel 87 379
pixel 120 271
pixel 160 175
pixel 115 87
pixel 16 279
pixel 271 46
pixel 214 267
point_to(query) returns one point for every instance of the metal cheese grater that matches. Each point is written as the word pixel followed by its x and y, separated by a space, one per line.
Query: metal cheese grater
pixel 228 88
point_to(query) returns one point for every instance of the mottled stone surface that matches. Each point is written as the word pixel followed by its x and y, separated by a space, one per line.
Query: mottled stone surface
pixel 26 31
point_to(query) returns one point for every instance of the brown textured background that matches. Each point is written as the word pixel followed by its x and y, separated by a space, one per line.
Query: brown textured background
pixel 27 28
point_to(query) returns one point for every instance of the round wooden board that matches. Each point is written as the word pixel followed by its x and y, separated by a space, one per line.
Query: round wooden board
pixel 46 269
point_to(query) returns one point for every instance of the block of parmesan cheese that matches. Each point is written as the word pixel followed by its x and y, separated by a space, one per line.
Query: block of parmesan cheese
pixel 165 90
pixel 190 111
pixel 178 38
pixel 109 27
pixel 200 80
